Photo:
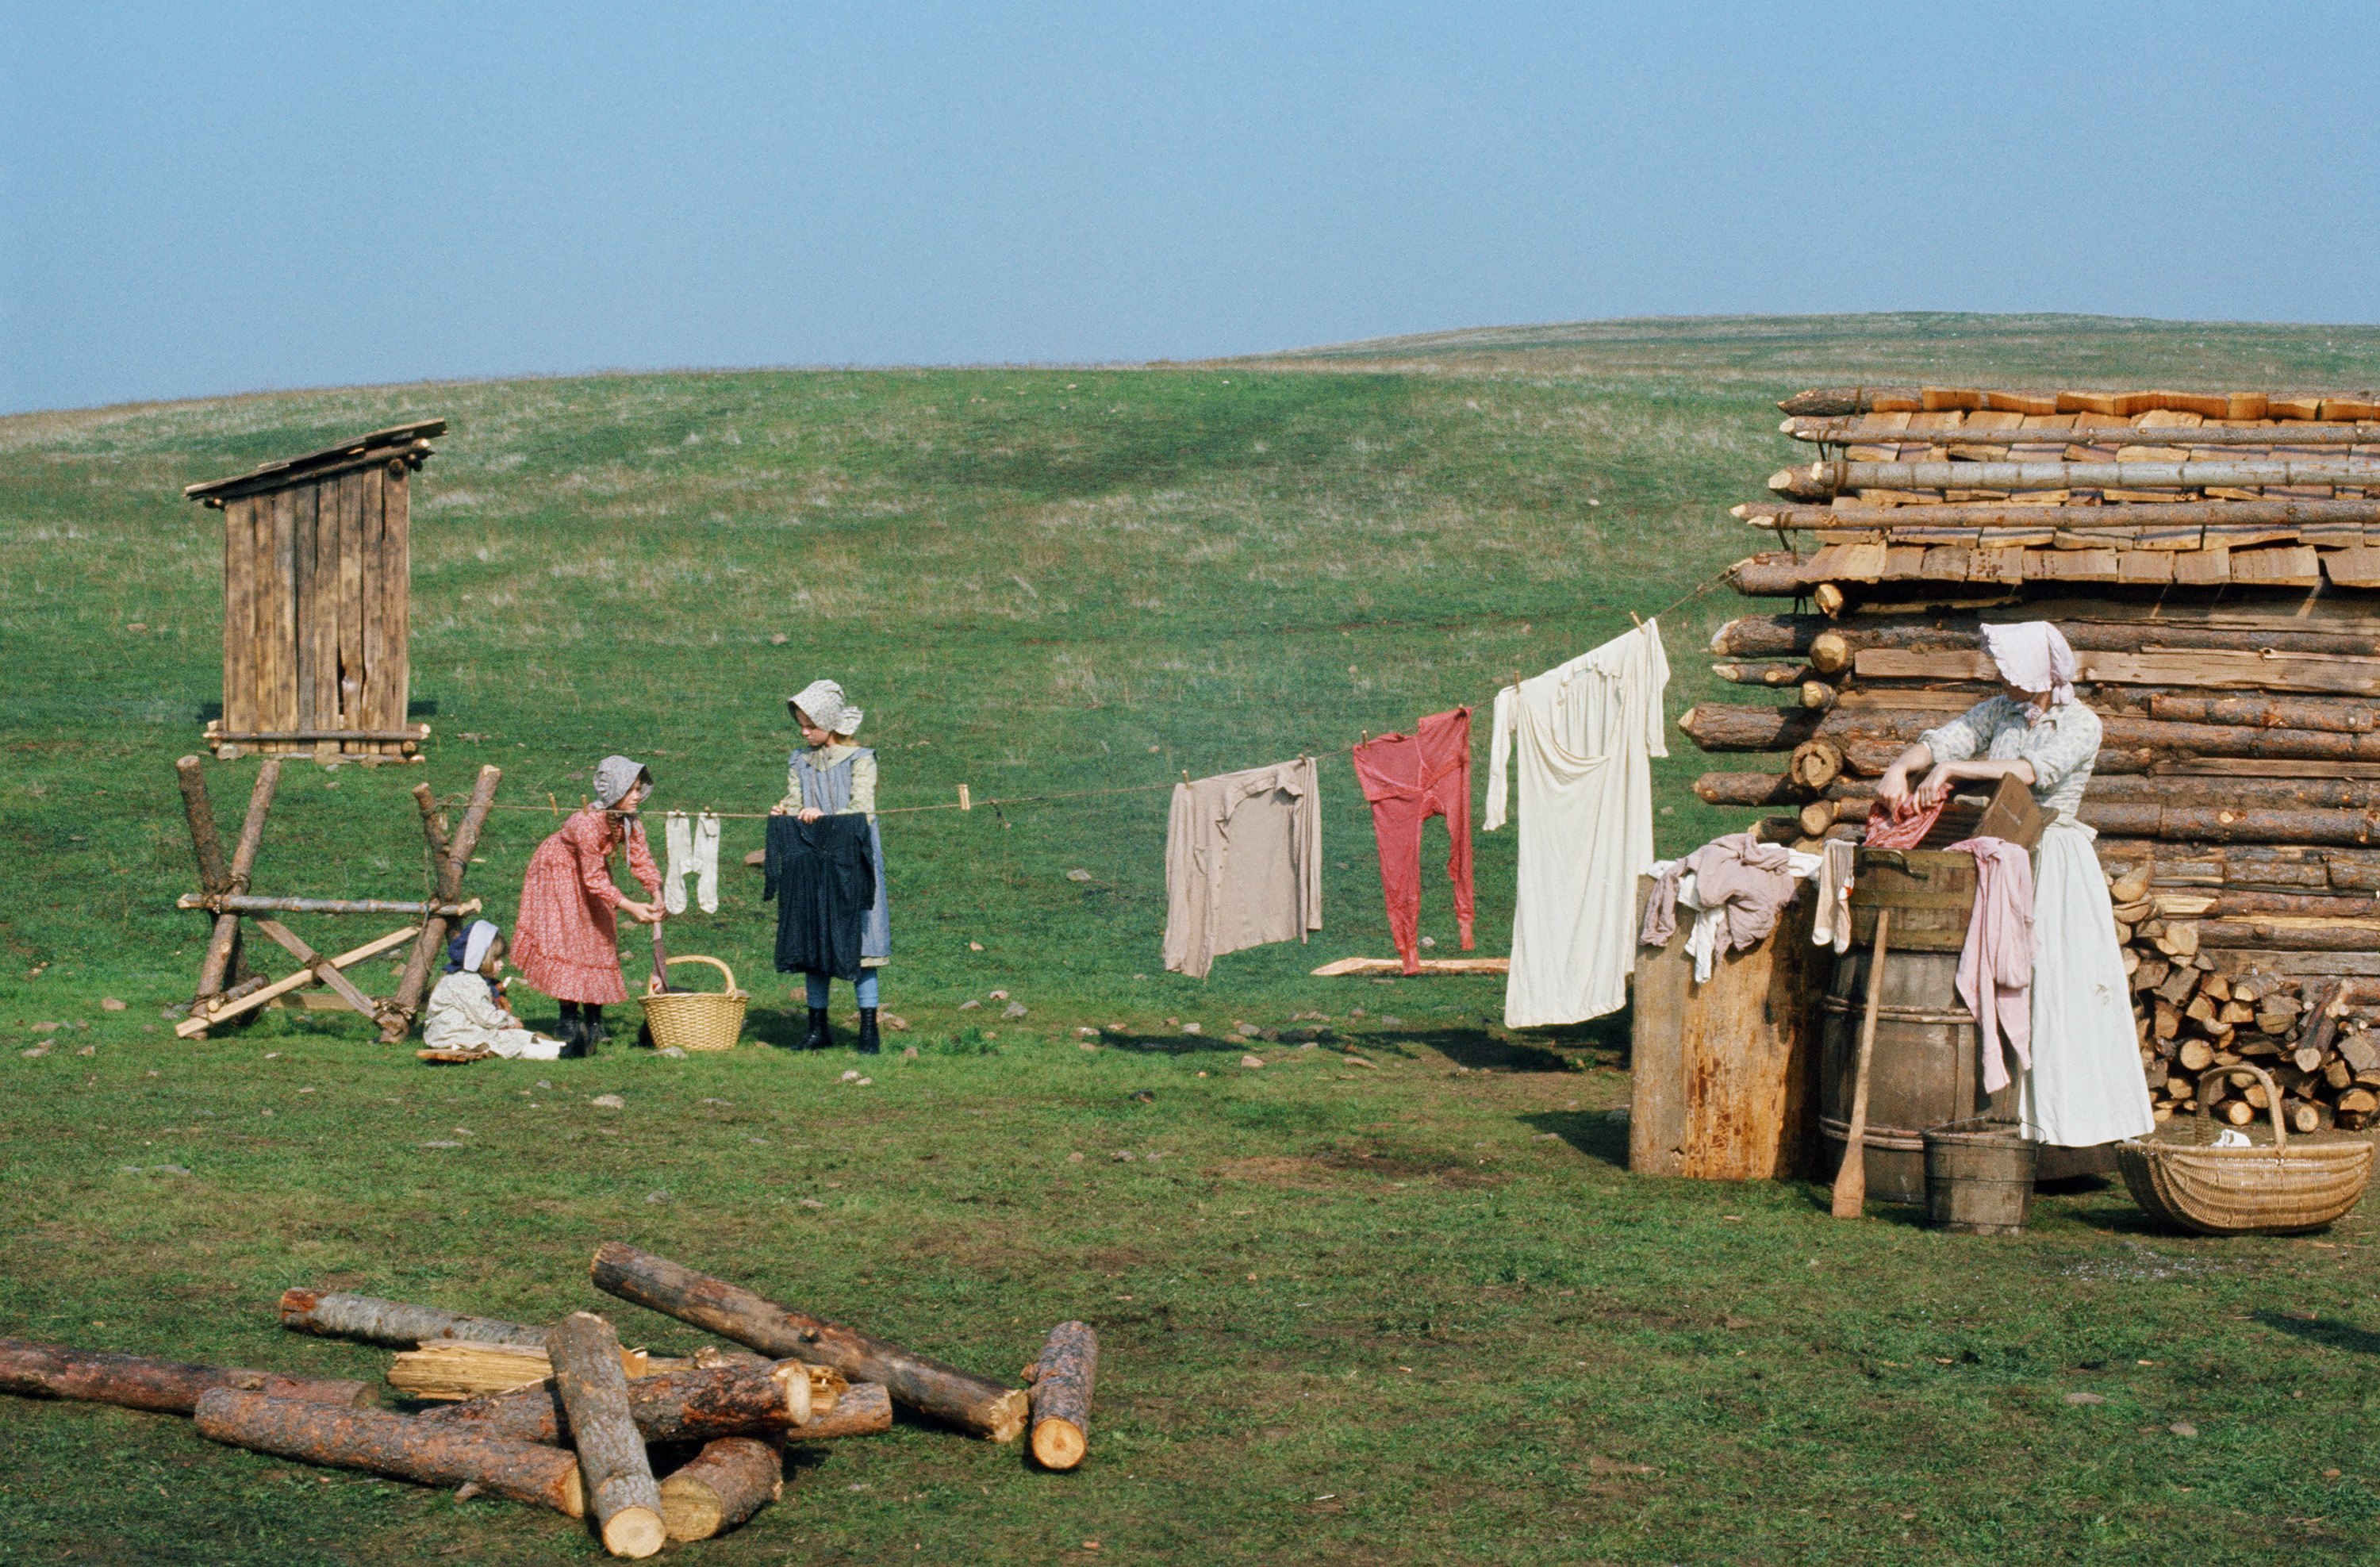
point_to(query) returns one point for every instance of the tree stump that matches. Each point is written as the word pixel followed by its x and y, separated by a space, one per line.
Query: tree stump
pixel 137 1381
pixel 728 1481
pixel 396 1445
pixel 620 1491
pixel 696 1404
pixel 959 1398
pixel 1061 1381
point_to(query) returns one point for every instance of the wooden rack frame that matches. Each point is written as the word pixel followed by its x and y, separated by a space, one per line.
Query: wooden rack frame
pixel 224 893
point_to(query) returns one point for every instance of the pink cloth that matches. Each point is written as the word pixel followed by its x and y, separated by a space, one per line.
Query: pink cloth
pixel 1886 831
pixel 1746 880
pixel 565 942
pixel 1995 964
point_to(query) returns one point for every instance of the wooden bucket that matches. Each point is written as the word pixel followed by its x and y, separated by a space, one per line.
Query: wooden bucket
pixel 1924 1071
pixel 1979 1177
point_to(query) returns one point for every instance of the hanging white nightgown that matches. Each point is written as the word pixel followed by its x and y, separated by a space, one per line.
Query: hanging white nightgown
pixel 1587 732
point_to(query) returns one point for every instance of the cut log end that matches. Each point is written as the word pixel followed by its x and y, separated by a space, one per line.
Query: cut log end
pixel 636 1533
pixel 1058 1444
pixel 1007 1414
pixel 730 1480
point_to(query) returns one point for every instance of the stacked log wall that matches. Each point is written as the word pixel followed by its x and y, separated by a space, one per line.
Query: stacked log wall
pixel 2213 559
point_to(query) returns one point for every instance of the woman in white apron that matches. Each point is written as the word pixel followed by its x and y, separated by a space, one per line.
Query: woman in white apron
pixel 2085 1086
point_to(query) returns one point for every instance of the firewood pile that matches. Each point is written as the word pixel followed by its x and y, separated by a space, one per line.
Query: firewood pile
pixel 651 1449
pixel 2215 560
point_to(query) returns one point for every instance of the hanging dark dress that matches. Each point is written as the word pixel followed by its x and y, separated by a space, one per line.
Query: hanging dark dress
pixel 822 875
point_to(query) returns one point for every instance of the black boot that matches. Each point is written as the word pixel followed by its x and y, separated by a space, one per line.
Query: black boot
pixel 817 1039
pixel 869 1044
pixel 596 1033
pixel 572 1031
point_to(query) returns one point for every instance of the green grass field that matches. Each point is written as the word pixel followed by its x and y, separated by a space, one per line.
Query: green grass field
pixel 1410 1314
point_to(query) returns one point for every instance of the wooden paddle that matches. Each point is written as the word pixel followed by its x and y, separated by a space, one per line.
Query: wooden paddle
pixel 1851 1180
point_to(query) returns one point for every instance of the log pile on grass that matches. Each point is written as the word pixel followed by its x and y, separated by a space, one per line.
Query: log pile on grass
pixel 649 1448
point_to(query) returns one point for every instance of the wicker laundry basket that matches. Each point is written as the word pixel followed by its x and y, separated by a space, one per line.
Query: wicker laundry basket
pixel 2291 1184
pixel 696 1020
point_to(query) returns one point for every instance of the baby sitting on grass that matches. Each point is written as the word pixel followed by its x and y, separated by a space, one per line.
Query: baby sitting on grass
pixel 467 1012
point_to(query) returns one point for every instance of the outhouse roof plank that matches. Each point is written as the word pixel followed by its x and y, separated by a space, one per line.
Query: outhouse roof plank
pixel 293 470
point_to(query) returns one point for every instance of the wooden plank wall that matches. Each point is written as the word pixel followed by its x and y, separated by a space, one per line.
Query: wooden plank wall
pixel 317 600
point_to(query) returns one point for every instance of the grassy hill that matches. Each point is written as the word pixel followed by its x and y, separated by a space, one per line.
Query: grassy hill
pixel 1414 1313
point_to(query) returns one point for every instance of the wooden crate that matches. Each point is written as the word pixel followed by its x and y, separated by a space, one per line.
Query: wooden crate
pixel 317 599
pixel 1725 1072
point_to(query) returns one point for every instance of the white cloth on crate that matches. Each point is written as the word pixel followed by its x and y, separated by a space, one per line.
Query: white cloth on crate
pixel 1832 927
pixel 463 1014
pixel 2085 1086
pixel 1709 927
pixel 693 851
pixel 1585 733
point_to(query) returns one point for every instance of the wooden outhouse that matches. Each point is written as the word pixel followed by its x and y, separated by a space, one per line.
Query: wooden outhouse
pixel 317 573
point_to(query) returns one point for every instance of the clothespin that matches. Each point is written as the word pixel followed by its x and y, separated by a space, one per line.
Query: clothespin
pixel 549 805
pixel 967 801
pixel 1637 618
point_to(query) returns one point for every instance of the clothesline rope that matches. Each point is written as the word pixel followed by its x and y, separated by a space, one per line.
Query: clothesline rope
pixel 553 807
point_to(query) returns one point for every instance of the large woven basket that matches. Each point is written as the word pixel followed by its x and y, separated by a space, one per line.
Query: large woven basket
pixel 696 1020
pixel 2291 1184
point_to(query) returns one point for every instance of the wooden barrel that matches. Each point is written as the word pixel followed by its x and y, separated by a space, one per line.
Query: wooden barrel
pixel 1925 1068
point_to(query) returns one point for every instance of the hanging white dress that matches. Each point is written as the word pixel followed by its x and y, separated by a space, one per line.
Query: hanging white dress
pixel 1585 732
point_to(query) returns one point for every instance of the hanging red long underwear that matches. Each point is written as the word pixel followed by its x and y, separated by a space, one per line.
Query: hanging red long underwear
pixel 1409 779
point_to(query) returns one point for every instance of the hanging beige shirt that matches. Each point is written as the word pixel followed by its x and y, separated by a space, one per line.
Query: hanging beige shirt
pixel 1242 863
pixel 1585 732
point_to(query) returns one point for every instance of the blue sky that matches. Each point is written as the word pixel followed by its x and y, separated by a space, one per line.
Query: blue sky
pixel 222 198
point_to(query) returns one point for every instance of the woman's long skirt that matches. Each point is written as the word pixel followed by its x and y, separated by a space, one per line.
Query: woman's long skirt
pixel 2086 1085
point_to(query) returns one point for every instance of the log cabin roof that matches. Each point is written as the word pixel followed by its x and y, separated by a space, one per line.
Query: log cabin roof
pixel 409 443
pixel 2148 487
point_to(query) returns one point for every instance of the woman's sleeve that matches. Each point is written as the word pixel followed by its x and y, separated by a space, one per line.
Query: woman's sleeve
pixel 640 859
pixel 793 800
pixel 2073 742
pixel 1961 737
pixel 585 833
pixel 863 788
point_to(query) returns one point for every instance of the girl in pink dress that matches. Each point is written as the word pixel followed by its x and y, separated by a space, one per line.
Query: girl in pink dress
pixel 567 941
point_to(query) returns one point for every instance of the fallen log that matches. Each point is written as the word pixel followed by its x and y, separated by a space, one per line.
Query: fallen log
pixel 695 1404
pixel 139 1381
pixel 963 1400
pixel 458 1368
pixel 621 1490
pixel 334 1314
pixel 1060 1383
pixel 864 1410
pixel 396 1445
pixel 729 1480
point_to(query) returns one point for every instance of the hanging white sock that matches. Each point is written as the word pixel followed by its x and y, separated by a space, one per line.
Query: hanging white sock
pixel 681 862
pixel 706 861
